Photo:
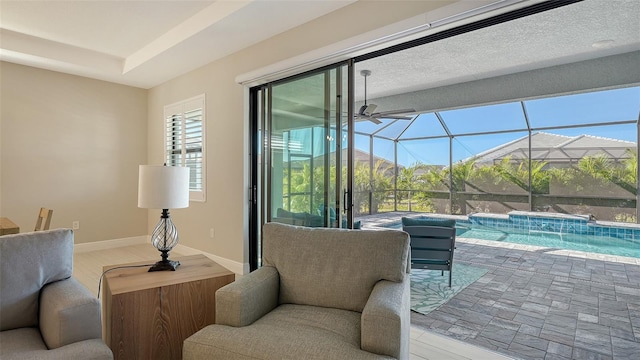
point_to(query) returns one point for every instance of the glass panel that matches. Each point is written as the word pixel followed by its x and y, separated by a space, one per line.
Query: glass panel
pixel 426 125
pixel 394 129
pixel 589 108
pixel 303 150
pixel 362 175
pixel 343 182
pixel 591 171
pixel 490 173
pixel 292 148
pixel 485 119
pixel 326 204
pixel 259 191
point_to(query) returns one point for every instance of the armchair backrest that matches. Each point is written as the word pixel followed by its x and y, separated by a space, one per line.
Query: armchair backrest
pixel 333 268
pixel 29 261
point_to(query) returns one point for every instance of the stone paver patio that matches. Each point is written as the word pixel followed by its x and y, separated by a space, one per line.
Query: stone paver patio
pixel 542 303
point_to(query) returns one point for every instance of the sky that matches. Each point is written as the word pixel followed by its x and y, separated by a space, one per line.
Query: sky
pixel 580 109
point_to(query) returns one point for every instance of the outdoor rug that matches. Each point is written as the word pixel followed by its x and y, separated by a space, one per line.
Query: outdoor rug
pixel 429 289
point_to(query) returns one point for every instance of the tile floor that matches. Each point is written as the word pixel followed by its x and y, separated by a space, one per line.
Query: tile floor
pixel 540 303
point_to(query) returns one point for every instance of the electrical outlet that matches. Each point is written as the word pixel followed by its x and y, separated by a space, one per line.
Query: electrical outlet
pixel 211 233
pixel 76 225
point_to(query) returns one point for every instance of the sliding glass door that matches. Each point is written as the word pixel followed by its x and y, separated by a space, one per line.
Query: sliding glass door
pixel 301 138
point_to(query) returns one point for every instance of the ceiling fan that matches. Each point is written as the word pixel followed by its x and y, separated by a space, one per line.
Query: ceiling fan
pixel 367 111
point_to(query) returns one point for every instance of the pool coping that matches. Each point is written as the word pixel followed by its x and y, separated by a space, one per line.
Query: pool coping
pixel 552 250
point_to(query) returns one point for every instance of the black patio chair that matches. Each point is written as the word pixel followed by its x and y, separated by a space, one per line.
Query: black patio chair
pixel 432 247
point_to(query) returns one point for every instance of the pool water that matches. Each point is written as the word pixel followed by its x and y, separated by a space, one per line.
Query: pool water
pixel 580 242
pixel 587 243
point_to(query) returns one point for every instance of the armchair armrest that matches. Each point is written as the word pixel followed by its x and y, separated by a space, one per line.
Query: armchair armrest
pixel 386 319
pixel 249 298
pixel 68 313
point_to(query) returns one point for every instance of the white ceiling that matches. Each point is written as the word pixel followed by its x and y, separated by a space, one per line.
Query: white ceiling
pixel 145 43
pixel 142 43
pixel 581 31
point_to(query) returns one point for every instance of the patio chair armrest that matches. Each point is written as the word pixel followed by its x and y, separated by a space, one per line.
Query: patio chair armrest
pixel 68 313
pixel 247 299
pixel 385 323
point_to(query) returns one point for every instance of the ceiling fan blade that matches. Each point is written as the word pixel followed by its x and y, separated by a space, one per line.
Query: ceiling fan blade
pixel 367 110
pixel 392 112
pixel 371 108
pixel 397 117
pixel 361 117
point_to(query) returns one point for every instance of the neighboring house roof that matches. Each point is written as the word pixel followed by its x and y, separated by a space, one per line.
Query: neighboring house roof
pixel 359 156
pixel 556 148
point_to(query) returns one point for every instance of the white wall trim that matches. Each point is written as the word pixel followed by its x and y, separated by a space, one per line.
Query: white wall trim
pixel 234 266
pixel 109 244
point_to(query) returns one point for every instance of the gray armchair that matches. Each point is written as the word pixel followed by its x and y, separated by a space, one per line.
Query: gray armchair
pixel 44 313
pixel 320 294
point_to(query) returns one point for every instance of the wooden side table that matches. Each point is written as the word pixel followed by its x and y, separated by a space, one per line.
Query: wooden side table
pixel 148 315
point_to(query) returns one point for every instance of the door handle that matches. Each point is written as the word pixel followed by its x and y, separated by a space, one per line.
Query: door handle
pixel 345 205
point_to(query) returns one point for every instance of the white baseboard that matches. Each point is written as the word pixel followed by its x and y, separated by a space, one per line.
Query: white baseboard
pixel 234 266
pixel 109 244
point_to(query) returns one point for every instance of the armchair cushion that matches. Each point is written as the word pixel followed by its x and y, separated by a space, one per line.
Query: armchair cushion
pixel 289 332
pixel 19 341
pixel 317 266
pixel 26 343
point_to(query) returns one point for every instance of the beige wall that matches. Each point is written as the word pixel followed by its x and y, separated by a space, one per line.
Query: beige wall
pixel 74 145
pixel 226 128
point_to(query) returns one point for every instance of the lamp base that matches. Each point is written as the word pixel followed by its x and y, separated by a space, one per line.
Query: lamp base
pixel 165 265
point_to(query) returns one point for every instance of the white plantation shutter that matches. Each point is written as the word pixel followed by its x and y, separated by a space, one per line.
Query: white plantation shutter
pixel 184 141
pixel 173 141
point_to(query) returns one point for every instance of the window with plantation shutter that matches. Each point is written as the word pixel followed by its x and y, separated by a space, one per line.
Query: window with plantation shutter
pixel 184 141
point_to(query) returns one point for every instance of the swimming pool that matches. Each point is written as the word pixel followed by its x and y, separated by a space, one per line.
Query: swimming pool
pixel 588 241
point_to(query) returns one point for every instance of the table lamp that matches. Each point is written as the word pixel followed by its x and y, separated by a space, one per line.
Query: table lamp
pixel 163 187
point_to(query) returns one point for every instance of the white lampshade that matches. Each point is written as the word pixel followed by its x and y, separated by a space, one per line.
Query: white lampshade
pixel 163 187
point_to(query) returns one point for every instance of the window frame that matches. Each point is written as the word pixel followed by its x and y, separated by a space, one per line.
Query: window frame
pixel 180 146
